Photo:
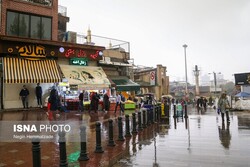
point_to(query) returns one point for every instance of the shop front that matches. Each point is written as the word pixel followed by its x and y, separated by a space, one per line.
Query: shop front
pixel 89 79
pixel 128 88
pixel 28 62
pixel 20 71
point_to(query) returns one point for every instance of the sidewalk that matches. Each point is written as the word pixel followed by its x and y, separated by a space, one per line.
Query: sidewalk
pixel 201 140
pixel 20 154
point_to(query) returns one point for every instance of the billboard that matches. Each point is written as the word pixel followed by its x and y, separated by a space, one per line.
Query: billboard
pixel 242 79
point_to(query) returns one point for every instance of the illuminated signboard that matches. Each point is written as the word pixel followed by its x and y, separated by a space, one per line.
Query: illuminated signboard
pixel 80 53
pixel 30 51
pixel 78 61
pixel 242 79
pixel 33 51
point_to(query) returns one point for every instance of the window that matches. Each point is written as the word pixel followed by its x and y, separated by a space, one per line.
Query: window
pixel 46 30
pixel 12 24
pixel 35 28
pixel 23 25
pixel 30 26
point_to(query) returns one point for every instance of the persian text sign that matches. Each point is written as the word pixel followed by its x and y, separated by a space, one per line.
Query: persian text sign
pixel 78 61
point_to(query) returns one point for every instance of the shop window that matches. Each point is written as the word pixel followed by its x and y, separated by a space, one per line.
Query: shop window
pixel 30 26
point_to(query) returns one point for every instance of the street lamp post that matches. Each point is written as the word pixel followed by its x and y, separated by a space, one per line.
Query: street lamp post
pixel 215 83
pixel 186 89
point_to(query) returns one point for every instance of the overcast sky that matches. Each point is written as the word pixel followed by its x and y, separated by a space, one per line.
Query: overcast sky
pixel 217 32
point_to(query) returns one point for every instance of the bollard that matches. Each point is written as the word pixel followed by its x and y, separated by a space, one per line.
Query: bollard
pixel 158 116
pixel 120 136
pixel 36 153
pixel 62 148
pixel 185 107
pixel 98 148
pixel 144 125
pixel 186 123
pixel 134 123
pixel 155 114
pixel 159 112
pixel 175 123
pixel 128 134
pixel 148 116
pixel 167 110
pixel 111 141
pixel 175 111
pixel 83 154
pixel 139 121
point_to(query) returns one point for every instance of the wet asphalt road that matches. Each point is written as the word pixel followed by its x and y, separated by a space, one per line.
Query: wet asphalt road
pixel 201 140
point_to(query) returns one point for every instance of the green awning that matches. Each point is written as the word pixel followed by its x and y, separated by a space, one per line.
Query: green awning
pixel 123 83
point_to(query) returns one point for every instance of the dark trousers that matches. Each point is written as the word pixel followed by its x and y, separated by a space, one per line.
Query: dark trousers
pixel 119 104
pixel 227 116
pixel 81 106
pixel 25 101
pixel 39 100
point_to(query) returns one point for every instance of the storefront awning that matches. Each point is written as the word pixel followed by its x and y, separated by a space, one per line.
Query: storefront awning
pixel 123 83
pixel 86 77
pixel 19 70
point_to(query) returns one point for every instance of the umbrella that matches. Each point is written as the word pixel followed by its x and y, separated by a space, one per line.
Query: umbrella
pixel 167 96
pixel 243 94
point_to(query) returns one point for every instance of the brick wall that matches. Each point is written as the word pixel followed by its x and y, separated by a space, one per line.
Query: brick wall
pixel 31 8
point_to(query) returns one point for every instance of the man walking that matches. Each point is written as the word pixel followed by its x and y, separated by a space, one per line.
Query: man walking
pixel 118 102
pixel 24 96
pixel 39 93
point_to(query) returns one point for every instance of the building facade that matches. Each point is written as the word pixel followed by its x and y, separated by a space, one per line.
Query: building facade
pixel 152 80
pixel 32 51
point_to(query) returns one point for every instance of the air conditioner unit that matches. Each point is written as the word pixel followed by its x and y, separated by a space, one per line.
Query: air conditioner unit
pixel 70 36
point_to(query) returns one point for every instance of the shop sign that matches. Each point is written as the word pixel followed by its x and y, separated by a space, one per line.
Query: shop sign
pixel 31 51
pixel 80 53
pixel 152 77
pixel 73 87
pixel 78 61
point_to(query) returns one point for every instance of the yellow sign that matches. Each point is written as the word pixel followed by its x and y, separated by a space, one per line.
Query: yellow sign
pixel 32 51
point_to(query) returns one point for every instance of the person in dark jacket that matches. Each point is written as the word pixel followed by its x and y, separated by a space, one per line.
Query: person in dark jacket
pixel 106 102
pixel 39 93
pixel 24 93
pixel 54 102
pixel 81 101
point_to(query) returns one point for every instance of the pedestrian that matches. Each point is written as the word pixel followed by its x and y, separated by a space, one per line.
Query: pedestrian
pixel 106 102
pixel 81 101
pixel 118 102
pixel 97 99
pixel 39 93
pixel 54 102
pixel 205 103
pixel 94 101
pixel 223 105
pixel 24 93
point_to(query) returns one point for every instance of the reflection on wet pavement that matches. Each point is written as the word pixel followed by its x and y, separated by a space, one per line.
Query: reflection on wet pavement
pixel 200 140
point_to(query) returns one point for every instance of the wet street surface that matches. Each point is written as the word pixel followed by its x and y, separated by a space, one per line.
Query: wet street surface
pixel 201 140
